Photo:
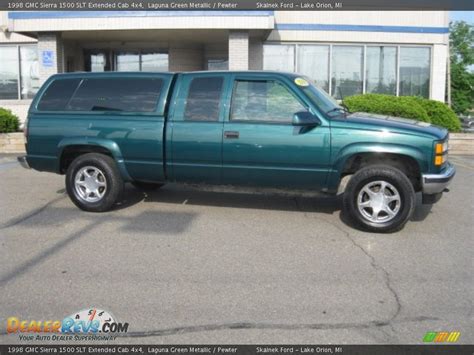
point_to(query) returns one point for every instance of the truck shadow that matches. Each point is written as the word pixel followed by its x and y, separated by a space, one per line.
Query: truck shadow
pixel 247 199
pixel 278 201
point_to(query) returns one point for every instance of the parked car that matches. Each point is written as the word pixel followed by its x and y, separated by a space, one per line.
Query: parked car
pixel 257 128
pixel 467 122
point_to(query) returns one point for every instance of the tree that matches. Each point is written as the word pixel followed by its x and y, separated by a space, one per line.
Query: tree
pixel 461 41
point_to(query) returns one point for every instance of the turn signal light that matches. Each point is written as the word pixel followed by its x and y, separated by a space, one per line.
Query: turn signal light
pixel 441 153
pixel 440 160
pixel 440 148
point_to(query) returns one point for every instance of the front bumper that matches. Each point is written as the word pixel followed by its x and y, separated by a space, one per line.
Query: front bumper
pixel 23 162
pixel 436 183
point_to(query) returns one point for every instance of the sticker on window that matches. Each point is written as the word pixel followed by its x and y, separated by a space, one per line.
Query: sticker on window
pixel 301 82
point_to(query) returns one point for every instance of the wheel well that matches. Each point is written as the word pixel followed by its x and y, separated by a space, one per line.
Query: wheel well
pixel 404 163
pixel 71 152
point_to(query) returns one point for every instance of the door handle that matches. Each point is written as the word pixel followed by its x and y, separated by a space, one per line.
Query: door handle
pixel 231 134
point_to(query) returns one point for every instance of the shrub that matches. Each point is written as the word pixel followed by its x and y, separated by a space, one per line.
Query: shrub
pixel 8 121
pixel 406 106
pixel 401 106
pixel 440 114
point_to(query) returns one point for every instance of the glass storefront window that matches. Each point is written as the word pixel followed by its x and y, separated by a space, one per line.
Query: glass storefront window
pixel 279 57
pixel 381 70
pixel 98 62
pixel 29 71
pixel 109 60
pixel 415 71
pixel 313 61
pixel 217 64
pixel 154 62
pixel 9 72
pixel 347 68
pixel 127 62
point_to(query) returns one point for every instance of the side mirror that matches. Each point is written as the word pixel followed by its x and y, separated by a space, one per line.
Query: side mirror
pixel 305 118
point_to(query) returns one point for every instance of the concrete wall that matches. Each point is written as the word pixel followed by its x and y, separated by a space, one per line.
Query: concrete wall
pixel 151 20
pixel 439 57
pixel 9 37
pixel 12 143
pixel 18 107
pixel 384 18
pixel 255 54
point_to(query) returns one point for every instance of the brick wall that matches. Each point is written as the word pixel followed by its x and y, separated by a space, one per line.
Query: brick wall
pixel 12 143
pixel 50 42
pixel 238 50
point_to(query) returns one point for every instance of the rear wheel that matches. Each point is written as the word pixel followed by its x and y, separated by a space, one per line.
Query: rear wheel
pixel 379 199
pixel 93 182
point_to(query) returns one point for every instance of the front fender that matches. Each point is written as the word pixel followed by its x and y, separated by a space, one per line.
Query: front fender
pixel 350 150
pixel 107 144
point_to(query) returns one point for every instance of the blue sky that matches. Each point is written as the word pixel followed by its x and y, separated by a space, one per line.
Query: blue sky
pixel 467 16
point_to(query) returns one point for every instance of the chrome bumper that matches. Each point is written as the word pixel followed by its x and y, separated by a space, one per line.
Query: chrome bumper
pixel 436 183
pixel 23 162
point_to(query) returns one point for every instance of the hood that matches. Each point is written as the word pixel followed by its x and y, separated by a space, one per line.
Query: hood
pixel 395 124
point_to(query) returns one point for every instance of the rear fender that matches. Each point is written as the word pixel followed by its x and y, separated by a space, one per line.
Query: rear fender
pixel 107 144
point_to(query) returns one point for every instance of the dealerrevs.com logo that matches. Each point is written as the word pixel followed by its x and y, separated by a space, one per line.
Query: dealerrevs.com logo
pixel 87 324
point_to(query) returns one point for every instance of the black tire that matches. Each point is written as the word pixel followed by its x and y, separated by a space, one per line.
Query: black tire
pixel 146 186
pixel 373 174
pixel 110 174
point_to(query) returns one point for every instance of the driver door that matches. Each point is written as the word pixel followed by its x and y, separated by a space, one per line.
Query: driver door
pixel 261 147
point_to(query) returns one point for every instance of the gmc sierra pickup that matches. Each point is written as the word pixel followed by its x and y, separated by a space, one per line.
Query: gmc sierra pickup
pixel 257 128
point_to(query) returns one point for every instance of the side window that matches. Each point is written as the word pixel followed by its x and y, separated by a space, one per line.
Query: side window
pixel 58 94
pixel 266 101
pixel 204 97
pixel 117 94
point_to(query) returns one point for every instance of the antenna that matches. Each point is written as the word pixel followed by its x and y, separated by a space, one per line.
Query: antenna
pixel 343 105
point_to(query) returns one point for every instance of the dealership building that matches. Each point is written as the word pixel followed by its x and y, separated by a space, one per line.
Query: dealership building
pixel 345 53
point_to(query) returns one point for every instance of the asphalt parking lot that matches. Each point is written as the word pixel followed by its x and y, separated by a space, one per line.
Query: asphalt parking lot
pixel 182 265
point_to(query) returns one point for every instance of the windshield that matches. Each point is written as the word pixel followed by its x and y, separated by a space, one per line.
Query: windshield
pixel 321 99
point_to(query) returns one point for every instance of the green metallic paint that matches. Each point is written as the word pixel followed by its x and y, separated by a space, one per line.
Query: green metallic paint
pixel 135 140
pixel 273 154
pixel 265 154
pixel 194 148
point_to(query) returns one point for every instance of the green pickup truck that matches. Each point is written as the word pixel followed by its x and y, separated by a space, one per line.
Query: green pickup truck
pixel 252 128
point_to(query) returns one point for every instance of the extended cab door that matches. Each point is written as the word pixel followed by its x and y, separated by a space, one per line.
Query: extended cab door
pixel 261 146
pixel 194 129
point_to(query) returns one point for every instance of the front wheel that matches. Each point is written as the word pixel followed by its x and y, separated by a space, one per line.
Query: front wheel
pixel 379 199
pixel 93 182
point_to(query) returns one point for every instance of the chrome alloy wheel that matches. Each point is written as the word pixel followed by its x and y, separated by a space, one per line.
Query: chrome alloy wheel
pixel 90 184
pixel 379 201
